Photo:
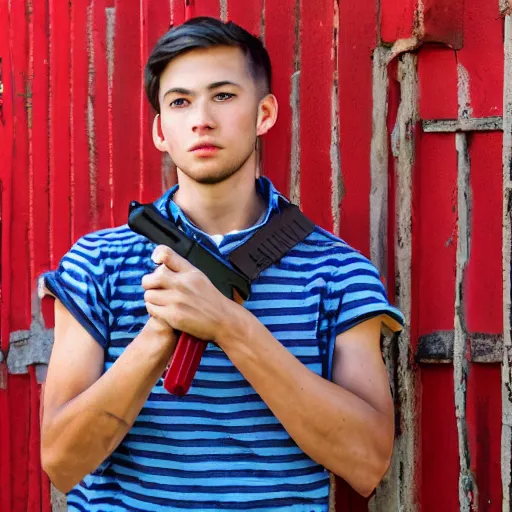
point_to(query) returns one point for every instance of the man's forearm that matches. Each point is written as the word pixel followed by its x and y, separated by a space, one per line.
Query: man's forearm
pixel 333 426
pixel 83 432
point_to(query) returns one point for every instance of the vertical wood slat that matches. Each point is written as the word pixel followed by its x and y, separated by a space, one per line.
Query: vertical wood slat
pixel 406 447
pixel 249 15
pixel 506 439
pixel 158 22
pixel 17 200
pixel 110 27
pixel 281 40
pixel 98 112
pixel 202 8
pixel 379 163
pixel 126 93
pixel 316 90
pixel 177 10
pixel 434 256
pixel 6 148
pixel 357 43
pixel 38 256
pixel 483 312
pixel 40 202
pixel 468 496
pixel 82 125
pixel 61 215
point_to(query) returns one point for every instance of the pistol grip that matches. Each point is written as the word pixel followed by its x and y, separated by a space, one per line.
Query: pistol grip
pixel 184 364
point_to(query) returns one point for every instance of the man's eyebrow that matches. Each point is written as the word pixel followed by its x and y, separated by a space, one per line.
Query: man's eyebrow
pixel 178 90
pixel 216 85
pixel 187 92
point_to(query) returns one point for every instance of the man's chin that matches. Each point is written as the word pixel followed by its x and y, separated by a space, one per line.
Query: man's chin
pixel 209 176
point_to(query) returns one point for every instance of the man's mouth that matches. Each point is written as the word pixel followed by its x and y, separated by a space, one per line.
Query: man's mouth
pixel 205 149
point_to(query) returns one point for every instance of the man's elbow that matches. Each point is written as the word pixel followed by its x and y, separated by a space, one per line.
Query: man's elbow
pixel 54 467
pixel 371 478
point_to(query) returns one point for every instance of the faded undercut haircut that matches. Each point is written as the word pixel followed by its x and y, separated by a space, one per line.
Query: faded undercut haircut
pixel 205 32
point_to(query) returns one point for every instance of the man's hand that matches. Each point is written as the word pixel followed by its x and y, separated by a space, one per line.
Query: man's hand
pixel 181 295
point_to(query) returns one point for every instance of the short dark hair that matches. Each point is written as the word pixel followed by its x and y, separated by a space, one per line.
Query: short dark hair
pixel 205 32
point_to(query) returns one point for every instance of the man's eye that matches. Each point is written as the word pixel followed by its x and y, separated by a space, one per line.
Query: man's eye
pixel 223 96
pixel 178 103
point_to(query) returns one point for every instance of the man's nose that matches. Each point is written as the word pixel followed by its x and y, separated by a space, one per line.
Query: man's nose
pixel 202 118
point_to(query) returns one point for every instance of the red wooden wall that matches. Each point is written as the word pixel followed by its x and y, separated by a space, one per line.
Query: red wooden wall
pixel 392 133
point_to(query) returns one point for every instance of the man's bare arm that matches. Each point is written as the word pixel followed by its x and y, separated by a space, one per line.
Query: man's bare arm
pixel 86 413
pixel 346 426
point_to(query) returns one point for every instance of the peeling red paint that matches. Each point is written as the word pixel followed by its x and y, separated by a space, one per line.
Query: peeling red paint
pixel 443 22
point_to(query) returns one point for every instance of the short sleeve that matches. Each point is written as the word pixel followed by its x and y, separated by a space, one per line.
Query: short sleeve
pixel 80 283
pixel 361 295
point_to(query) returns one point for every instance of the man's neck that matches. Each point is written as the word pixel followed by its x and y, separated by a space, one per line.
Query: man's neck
pixel 233 204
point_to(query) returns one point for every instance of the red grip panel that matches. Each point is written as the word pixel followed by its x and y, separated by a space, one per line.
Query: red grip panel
pixel 184 364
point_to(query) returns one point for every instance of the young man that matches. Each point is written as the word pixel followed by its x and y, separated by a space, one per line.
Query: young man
pixel 293 385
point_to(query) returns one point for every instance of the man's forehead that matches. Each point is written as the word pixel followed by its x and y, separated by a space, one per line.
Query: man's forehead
pixel 204 66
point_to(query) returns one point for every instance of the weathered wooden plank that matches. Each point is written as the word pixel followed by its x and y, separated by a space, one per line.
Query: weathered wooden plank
pixel 406 451
pixel 437 347
pixel 506 437
pixel 396 20
pixel 177 12
pixel 37 255
pixel 483 304
pixel 202 8
pixel 61 216
pixel 439 454
pixel 127 92
pixel 110 13
pixel 18 199
pixel 434 255
pixel 482 57
pixel 357 41
pixel 35 474
pixel 249 15
pixel 19 418
pixel 158 22
pixel 280 147
pixel 39 189
pixel 436 235
pixel 379 164
pixel 484 432
pixel 82 122
pixel 432 21
pixel 6 149
pixel 318 164
pixel 468 491
pixel 100 50
pixel 437 69
pixel 493 123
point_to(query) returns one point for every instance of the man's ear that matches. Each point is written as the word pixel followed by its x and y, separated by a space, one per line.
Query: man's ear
pixel 267 114
pixel 158 138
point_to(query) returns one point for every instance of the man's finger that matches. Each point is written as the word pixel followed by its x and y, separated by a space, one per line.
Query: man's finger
pixel 157 297
pixel 160 278
pixel 163 255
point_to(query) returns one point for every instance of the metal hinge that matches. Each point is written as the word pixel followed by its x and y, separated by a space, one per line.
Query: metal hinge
pixel 30 347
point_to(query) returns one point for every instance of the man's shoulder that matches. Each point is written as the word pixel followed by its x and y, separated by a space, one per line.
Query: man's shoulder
pixel 111 240
pixel 322 243
pixel 106 248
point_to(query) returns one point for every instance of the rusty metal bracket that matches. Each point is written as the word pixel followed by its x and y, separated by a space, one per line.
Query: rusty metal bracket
pixel 31 347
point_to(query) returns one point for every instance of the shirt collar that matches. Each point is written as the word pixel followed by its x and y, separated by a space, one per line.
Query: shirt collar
pixel 169 209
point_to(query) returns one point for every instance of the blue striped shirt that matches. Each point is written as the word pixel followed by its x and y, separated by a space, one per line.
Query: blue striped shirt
pixel 219 447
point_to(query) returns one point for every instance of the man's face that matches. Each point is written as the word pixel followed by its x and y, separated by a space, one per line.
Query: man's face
pixel 209 109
